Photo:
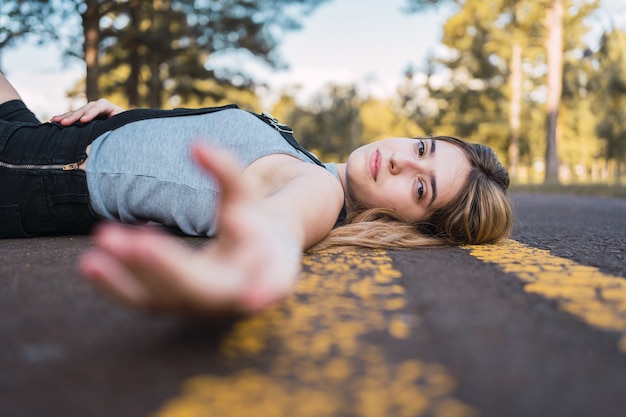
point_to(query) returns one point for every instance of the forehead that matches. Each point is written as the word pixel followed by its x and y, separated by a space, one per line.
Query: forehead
pixel 450 151
pixel 451 168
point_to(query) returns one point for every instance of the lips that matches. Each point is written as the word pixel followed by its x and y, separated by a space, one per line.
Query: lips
pixel 375 164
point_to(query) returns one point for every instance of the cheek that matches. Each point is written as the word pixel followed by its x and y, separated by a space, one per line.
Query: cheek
pixel 395 195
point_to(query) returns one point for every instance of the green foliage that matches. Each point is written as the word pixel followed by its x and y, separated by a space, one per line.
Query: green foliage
pixel 163 53
pixel 380 120
pixel 609 98
pixel 168 46
pixel 468 90
pixel 338 120
pixel 159 53
pixel 465 89
pixel 330 125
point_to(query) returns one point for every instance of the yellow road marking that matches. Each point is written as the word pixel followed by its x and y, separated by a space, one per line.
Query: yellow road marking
pixel 596 298
pixel 309 357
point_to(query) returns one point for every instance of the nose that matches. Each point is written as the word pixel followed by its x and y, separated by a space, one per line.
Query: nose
pixel 400 162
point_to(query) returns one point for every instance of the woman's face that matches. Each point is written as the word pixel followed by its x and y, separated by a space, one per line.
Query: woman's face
pixel 411 176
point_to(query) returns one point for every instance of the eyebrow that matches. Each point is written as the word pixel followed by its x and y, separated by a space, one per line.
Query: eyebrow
pixel 433 179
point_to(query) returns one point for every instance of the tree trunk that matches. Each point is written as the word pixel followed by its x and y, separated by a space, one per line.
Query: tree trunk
pixel 155 86
pixel 134 60
pixel 154 83
pixel 554 52
pixel 515 107
pixel 91 29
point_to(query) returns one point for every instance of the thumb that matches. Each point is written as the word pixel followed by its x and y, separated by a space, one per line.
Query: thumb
pixel 224 168
pixel 235 193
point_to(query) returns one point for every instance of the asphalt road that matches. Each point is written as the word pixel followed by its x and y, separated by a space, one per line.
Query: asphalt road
pixel 535 327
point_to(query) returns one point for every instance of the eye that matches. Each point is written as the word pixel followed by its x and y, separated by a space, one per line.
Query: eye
pixel 420 189
pixel 421 148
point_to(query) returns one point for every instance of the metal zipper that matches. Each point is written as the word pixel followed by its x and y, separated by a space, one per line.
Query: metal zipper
pixel 64 167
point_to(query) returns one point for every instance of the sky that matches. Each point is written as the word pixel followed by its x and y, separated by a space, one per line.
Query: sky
pixel 369 42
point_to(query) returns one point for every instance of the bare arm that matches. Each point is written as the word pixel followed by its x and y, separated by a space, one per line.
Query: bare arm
pixel 7 91
pixel 86 113
pixel 253 262
pixel 308 204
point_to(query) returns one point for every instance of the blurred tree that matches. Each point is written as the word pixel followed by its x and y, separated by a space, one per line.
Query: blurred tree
pixel 515 82
pixel 91 11
pixel 493 34
pixel 338 119
pixel 39 20
pixel 465 85
pixel 330 124
pixel 578 147
pixel 381 119
pixel 155 48
pixel 521 29
pixel 554 60
pixel 499 66
pixel 609 85
pixel 167 44
pixel 417 6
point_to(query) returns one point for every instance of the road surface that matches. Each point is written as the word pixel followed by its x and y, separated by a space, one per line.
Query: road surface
pixel 535 326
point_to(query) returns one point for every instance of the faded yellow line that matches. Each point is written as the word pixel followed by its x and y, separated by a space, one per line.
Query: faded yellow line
pixel 596 298
pixel 309 356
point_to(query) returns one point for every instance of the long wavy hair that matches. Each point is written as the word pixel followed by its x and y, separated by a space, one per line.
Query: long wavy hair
pixel 480 213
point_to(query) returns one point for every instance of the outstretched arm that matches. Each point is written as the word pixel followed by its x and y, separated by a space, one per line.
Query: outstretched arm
pixel 90 111
pixel 253 262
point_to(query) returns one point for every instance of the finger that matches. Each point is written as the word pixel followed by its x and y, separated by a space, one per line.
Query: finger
pixel 91 113
pixel 84 114
pixel 69 118
pixel 115 110
pixel 235 196
pixel 175 277
pixel 174 271
pixel 122 267
pixel 158 262
pixel 266 290
pixel 141 251
pixel 61 117
pixel 224 168
pixel 108 274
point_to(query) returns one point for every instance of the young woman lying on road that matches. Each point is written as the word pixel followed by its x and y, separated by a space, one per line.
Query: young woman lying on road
pixel 240 178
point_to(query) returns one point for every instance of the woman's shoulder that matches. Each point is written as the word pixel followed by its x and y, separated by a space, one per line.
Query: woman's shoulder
pixel 277 170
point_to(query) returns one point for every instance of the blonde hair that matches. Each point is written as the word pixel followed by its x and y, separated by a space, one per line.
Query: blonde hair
pixel 481 213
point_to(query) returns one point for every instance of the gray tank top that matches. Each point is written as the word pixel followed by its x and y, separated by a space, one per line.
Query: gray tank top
pixel 143 171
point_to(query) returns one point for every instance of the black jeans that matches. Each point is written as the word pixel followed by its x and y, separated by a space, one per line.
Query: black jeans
pixel 41 190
